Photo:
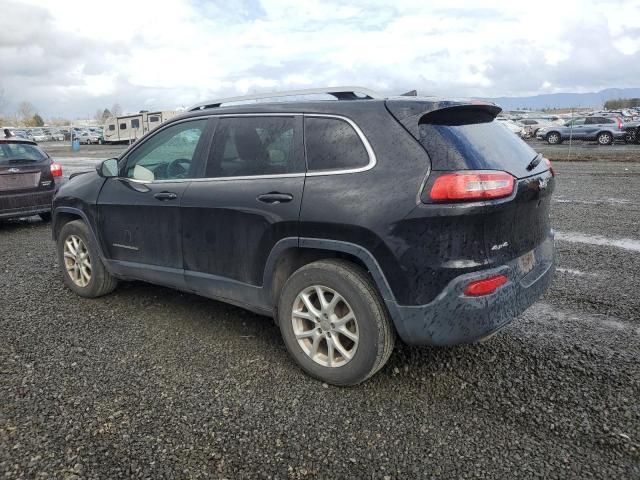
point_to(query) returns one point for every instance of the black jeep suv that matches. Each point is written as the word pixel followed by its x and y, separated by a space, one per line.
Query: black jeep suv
pixel 349 221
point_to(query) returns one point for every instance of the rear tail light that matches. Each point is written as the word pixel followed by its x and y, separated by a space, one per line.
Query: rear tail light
pixel 56 169
pixel 472 185
pixel 549 166
pixel 619 123
pixel 485 286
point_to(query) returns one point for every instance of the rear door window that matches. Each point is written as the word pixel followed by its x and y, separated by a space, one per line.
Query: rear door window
pixel 255 146
pixel 576 121
pixel 333 144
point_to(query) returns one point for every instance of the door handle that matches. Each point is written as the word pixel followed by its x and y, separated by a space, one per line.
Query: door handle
pixel 275 197
pixel 163 196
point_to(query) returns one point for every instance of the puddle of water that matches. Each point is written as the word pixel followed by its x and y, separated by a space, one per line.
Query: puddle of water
pixel 575 237
pixel 600 201
pixel 573 271
pixel 546 313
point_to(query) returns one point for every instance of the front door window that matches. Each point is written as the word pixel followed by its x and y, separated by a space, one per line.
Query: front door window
pixel 167 155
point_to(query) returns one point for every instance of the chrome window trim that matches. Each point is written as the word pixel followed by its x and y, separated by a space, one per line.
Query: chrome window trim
pixel 309 173
pixel 367 146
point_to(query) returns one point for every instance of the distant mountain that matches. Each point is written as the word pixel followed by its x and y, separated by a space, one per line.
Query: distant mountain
pixel 566 100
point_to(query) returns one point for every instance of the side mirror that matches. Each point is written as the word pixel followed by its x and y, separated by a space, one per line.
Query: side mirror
pixel 108 168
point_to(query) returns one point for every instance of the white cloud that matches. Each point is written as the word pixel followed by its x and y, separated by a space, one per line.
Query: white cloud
pixel 68 57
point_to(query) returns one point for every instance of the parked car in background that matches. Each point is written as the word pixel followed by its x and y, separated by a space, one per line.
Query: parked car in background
pixel 38 135
pixel 512 126
pixel 88 138
pixel 28 179
pixel 55 134
pixel 14 132
pixel 604 130
pixel 531 125
pixel 350 221
pixel 632 132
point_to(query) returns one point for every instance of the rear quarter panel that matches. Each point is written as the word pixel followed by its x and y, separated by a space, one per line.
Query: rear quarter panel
pixel 367 208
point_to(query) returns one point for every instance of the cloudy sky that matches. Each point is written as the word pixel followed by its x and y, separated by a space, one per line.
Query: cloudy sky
pixel 70 58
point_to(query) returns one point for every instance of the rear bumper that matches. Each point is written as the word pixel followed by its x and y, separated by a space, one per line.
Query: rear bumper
pixel 26 204
pixel 454 318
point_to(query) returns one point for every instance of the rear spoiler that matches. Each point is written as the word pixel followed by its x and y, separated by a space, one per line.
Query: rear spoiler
pixel 410 112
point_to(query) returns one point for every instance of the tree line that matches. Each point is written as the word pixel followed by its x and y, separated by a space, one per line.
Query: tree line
pixel 622 103
pixel 26 115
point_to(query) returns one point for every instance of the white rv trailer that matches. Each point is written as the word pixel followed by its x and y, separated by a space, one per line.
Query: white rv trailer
pixel 129 128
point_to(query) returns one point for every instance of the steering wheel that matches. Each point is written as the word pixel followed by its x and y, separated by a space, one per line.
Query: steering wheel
pixel 178 168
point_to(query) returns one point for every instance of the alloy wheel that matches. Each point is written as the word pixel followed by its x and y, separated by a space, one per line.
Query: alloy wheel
pixel 325 326
pixel 604 139
pixel 77 261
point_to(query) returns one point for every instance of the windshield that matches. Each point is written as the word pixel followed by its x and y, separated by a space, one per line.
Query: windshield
pixel 12 152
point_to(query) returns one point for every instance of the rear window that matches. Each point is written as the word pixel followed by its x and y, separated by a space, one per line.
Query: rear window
pixel 473 140
pixel 13 152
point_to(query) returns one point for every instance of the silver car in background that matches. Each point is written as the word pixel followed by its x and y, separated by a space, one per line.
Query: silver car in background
pixel 605 130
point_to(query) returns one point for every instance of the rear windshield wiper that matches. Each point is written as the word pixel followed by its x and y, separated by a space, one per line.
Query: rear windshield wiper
pixel 534 163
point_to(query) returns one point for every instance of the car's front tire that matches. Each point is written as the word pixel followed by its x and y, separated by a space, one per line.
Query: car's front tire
pixel 82 270
pixel 334 323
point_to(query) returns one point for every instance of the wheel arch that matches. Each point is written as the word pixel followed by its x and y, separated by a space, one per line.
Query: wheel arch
pixel 291 254
pixel 63 215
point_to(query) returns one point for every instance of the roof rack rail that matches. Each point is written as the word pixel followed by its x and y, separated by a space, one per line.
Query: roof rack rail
pixel 340 93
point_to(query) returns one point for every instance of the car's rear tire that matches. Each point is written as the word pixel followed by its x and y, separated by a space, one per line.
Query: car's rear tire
pixel 343 340
pixel 554 138
pixel 82 270
pixel 45 216
pixel 604 138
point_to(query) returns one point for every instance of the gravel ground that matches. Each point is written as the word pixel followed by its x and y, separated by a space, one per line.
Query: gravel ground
pixel 585 151
pixel 152 383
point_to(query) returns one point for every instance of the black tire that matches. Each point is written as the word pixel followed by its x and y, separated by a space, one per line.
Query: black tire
pixel 45 216
pixel 376 333
pixel 604 138
pixel 101 282
pixel 554 138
